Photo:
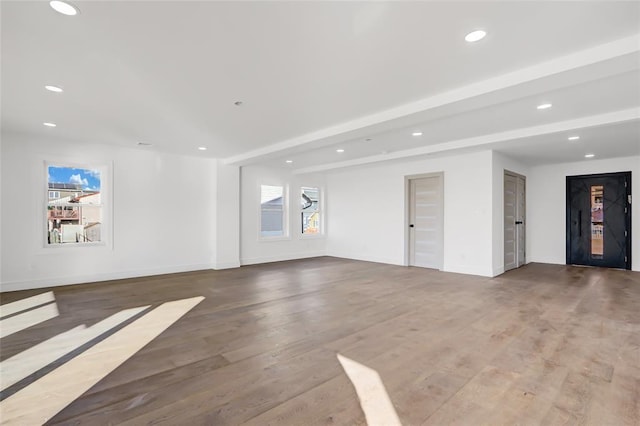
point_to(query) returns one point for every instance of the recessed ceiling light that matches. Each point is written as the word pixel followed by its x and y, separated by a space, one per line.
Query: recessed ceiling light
pixel 368 139
pixel 64 7
pixel 202 148
pixel 573 138
pixel 340 150
pixel 544 106
pixel 416 134
pixel 475 36
pixel 50 124
pixel 144 144
pixel 237 103
pixel 54 89
pixel 589 155
pixel 289 161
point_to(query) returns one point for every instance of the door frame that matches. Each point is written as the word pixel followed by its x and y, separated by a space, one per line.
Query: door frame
pixel 627 175
pixel 506 172
pixel 407 215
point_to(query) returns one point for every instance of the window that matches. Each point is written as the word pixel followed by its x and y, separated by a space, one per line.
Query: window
pixel 310 211
pixel 74 212
pixel 272 211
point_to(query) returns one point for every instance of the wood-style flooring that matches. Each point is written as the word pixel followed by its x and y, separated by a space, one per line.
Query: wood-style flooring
pixel 544 344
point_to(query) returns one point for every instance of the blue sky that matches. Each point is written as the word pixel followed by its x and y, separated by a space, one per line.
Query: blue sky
pixel 90 179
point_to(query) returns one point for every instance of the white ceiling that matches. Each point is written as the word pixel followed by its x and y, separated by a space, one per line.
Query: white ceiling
pixel 608 141
pixel 314 76
pixel 617 93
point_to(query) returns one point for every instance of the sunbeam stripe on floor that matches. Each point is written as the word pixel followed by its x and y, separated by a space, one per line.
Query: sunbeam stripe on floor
pixel 27 319
pixel 44 398
pixel 374 399
pixel 39 356
pixel 24 304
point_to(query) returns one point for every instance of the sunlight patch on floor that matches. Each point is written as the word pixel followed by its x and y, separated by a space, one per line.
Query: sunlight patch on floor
pixel 374 399
pixel 28 318
pixel 27 303
pixel 21 365
pixel 39 401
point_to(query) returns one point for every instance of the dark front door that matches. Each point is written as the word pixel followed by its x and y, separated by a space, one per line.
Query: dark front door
pixel 599 220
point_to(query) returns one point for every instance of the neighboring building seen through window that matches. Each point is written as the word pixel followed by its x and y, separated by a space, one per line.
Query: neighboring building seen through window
pixel 310 210
pixel 74 205
pixel 272 213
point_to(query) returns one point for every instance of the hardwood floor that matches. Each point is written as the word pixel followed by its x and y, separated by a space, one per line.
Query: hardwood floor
pixel 544 344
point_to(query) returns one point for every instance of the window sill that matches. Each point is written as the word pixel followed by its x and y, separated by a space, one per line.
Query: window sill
pixel 50 248
pixel 312 236
pixel 270 239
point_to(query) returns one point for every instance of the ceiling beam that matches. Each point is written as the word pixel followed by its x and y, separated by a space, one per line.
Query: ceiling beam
pixel 384 120
pixel 485 141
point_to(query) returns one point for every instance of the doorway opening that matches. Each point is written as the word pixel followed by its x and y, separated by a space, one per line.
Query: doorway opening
pixel 515 186
pixel 425 230
pixel 599 220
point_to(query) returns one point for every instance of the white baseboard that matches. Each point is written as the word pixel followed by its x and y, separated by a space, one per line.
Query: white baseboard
pixel 498 271
pixel 469 270
pixel 91 278
pixel 280 257
pixel 375 259
pixel 226 265
pixel 458 269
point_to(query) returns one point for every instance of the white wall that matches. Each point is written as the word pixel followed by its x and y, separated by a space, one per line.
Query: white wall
pixel 176 213
pixel 501 163
pixel 367 212
pixel 295 246
pixel 546 202
pixel 164 211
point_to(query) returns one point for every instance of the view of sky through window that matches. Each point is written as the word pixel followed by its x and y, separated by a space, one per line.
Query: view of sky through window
pixel 88 178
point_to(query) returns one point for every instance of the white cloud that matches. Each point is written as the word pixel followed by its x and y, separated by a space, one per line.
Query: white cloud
pixel 78 180
pixel 93 173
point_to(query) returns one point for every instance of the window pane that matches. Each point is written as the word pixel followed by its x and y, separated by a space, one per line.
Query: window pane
pixel 310 222
pixel 74 206
pixel 597 221
pixel 310 199
pixel 271 211
pixel 310 205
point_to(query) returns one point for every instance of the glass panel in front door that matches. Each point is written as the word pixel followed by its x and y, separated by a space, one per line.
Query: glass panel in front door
pixel 597 221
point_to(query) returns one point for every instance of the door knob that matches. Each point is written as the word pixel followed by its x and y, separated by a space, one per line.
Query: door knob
pixel 518 222
pixel 411 226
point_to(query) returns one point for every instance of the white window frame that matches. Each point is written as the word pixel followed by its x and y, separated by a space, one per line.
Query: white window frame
pixel 106 203
pixel 286 235
pixel 320 211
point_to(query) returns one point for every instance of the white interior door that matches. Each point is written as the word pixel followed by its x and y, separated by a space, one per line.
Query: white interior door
pixel 514 221
pixel 520 220
pixel 426 222
pixel 510 237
